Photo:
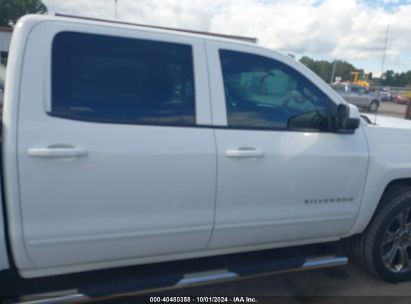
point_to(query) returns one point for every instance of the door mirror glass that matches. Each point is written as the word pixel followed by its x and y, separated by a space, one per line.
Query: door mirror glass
pixel 342 116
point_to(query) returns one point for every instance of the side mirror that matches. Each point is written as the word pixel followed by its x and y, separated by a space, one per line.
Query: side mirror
pixel 345 121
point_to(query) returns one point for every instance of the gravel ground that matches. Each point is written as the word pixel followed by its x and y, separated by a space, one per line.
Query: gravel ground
pixel 348 284
pixel 392 109
pixel 348 280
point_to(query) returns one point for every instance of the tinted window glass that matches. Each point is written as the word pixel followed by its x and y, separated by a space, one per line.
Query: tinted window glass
pixel 355 89
pixel 121 80
pixel 263 93
pixel 4 57
pixel 339 88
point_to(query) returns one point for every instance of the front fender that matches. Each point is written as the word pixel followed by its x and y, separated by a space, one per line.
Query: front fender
pixel 390 159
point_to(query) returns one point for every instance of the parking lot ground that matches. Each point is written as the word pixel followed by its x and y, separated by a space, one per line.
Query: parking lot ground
pixel 392 109
pixel 347 284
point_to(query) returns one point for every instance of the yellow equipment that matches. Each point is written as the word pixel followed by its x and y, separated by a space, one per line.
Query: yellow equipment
pixel 360 78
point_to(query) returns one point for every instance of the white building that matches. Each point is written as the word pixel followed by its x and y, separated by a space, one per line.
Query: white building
pixel 5 37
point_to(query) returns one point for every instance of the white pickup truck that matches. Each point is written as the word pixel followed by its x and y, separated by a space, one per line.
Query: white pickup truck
pixel 128 145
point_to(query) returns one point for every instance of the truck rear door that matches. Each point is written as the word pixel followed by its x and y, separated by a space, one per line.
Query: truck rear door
pixel 111 164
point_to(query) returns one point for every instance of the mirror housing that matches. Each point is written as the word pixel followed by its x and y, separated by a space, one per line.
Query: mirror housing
pixel 347 117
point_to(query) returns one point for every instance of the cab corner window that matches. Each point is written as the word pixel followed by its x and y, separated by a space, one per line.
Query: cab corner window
pixel 122 80
pixel 266 94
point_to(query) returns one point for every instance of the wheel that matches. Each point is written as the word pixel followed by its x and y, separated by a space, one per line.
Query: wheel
pixel 374 106
pixel 384 248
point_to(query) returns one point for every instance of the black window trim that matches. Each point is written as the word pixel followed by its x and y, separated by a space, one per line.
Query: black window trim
pixel 331 109
pixel 200 126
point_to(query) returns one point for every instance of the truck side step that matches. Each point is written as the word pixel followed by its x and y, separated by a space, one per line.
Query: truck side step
pixel 249 271
pixel 234 267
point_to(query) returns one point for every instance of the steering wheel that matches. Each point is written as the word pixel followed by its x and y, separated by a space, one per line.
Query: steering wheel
pixel 292 96
pixel 316 120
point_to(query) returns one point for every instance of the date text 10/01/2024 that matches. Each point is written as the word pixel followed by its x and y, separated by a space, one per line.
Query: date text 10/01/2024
pixel 237 299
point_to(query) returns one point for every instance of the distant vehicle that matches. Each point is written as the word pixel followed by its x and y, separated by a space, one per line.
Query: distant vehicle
pixel 357 95
pixel 400 99
pixel 360 79
pixel 385 94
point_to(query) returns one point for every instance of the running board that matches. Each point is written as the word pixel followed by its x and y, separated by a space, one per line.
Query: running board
pixel 225 275
pixel 235 269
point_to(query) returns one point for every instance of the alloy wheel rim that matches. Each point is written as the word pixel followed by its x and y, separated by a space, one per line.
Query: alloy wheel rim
pixel 396 243
pixel 373 107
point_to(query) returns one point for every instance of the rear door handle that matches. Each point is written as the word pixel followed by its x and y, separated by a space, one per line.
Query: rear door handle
pixel 57 151
pixel 244 153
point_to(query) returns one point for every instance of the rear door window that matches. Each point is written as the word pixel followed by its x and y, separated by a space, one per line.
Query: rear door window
pixel 122 80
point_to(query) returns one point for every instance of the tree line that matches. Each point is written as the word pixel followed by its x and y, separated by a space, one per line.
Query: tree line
pixel 343 69
pixel 396 79
pixel 12 10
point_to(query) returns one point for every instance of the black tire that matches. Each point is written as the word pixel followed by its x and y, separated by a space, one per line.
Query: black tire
pixel 374 105
pixel 368 249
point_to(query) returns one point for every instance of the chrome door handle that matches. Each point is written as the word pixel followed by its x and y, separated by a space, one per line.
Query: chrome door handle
pixel 244 153
pixel 57 151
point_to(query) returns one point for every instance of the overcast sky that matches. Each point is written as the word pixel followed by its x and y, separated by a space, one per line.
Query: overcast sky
pixel 352 30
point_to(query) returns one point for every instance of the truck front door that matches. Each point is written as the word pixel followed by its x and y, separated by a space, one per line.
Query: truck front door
pixel 283 175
